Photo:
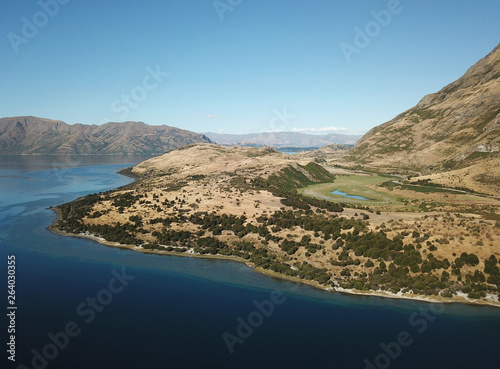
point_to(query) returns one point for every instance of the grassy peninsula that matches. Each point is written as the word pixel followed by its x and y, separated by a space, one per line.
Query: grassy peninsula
pixel 276 212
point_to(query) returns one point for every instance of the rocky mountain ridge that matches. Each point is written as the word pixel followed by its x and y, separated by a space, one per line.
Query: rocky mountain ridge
pixel 33 135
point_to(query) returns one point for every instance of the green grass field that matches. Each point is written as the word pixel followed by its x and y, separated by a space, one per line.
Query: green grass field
pixel 356 185
pixel 366 185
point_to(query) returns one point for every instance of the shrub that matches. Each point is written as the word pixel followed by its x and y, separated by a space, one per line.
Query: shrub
pixel 369 264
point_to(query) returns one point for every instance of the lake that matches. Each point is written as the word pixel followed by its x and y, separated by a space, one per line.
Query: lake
pixel 340 193
pixel 84 305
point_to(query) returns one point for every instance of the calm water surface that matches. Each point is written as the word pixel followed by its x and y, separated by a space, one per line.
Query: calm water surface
pixel 337 192
pixel 175 312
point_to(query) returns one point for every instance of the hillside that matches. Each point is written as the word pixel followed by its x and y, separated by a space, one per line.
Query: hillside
pixel 210 159
pixel 32 135
pixel 457 127
pixel 282 139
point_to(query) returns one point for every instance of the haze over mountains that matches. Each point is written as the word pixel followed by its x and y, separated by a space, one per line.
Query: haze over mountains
pixel 32 135
pixel 282 139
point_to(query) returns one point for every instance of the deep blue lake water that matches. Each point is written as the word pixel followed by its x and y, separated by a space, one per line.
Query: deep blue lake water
pixel 170 312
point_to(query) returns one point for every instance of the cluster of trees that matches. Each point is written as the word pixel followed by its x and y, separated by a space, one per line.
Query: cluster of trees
pixel 211 245
pixel 470 259
pixel 72 214
pixel 125 200
pixel 432 263
pixel 310 272
pixel 328 227
pixel 171 237
pixel 218 223
pixel 398 278
pixel 137 219
pixel 290 247
pixel 71 225
pixel 79 208
pixel 310 246
pixel 373 245
pixel 491 268
pixel 410 257
pixel 121 233
pixel 213 221
pixel 166 221
pixel 298 201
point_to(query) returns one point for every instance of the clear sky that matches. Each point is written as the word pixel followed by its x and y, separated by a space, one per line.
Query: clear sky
pixel 236 66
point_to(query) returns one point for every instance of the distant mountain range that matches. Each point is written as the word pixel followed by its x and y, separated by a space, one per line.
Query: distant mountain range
pixel 282 139
pixel 32 135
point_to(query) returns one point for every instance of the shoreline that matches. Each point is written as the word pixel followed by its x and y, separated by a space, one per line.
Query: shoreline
pixel 457 299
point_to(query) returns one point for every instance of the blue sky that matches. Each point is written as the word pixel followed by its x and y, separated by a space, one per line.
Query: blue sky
pixel 236 66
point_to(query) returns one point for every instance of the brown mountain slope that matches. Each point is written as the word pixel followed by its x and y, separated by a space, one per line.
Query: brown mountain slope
pixel 454 128
pixel 32 135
